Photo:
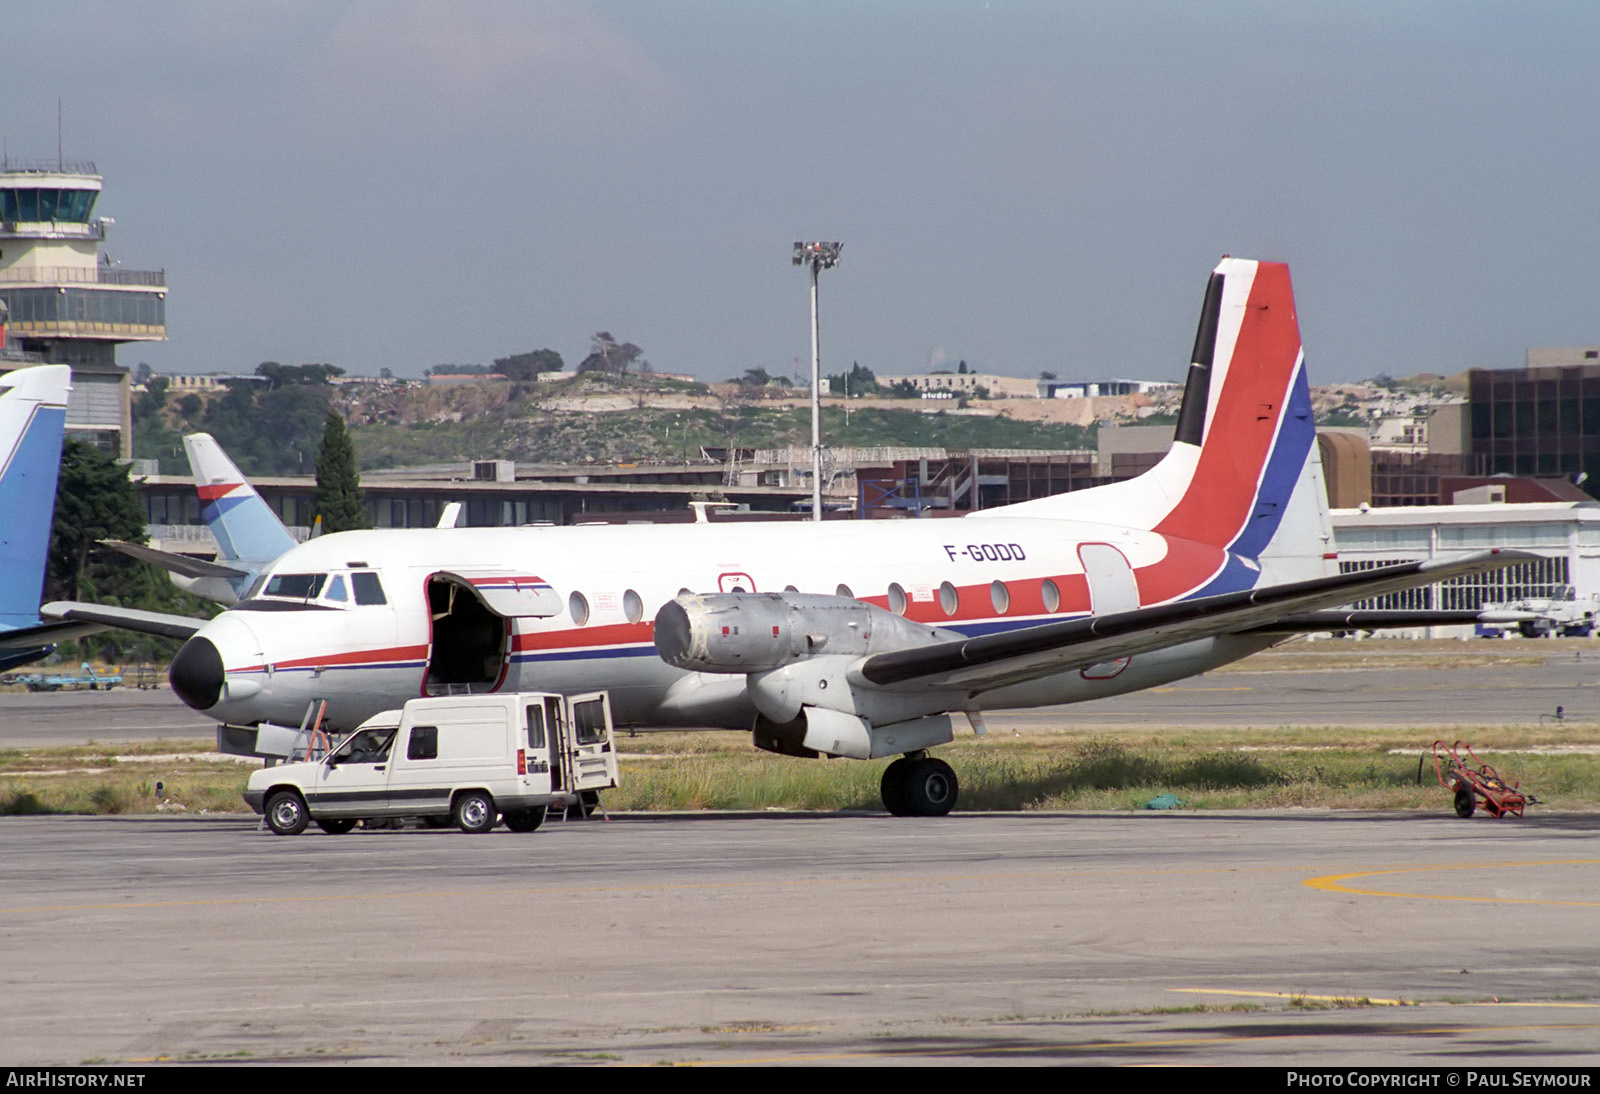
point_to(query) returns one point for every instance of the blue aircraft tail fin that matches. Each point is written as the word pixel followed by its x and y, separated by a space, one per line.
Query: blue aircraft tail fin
pixel 33 418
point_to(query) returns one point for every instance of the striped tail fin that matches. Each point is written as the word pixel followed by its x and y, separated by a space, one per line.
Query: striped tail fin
pixel 1243 473
pixel 246 528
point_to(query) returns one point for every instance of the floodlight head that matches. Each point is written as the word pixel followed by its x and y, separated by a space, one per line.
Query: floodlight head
pixel 823 256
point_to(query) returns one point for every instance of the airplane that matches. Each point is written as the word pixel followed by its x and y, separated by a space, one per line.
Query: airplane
pixel 841 639
pixel 249 535
pixel 33 419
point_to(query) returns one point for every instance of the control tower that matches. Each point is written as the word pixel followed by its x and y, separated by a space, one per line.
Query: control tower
pixel 63 302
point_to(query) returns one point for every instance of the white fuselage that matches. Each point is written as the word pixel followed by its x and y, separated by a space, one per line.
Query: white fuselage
pixel 971 576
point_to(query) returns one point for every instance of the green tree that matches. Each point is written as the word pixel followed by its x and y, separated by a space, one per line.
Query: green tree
pixel 527 366
pixel 338 498
pixel 858 381
pixel 94 500
pixel 278 376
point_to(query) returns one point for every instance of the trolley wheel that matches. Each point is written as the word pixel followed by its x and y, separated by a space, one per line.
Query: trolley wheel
pixel 1466 803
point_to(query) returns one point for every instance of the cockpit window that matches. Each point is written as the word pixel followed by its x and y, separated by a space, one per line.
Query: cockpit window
pixel 336 589
pixel 369 590
pixel 295 586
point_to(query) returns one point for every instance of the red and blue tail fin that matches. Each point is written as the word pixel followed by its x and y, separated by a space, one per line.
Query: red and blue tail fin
pixel 246 528
pixel 1243 473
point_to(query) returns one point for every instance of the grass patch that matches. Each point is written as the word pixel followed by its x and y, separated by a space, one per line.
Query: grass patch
pixel 1087 773
pixel 1052 769
pixel 94 780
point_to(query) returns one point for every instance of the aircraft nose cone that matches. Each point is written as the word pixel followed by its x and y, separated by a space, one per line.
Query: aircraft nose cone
pixel 197 675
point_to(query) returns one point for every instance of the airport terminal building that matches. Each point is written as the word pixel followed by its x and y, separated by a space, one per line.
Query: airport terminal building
pixel 1565 536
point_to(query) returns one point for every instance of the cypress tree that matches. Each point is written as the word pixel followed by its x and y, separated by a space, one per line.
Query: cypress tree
pixel 338 499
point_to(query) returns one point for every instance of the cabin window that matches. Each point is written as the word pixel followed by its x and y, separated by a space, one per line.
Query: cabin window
pixel 949 599
pixel 1000 597
pixel 632 606
pixel 897 598
pixel 1052 595
pixel 578 605
pixel 368 589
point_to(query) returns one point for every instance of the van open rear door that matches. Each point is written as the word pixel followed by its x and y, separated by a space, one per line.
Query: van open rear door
pixel 591 755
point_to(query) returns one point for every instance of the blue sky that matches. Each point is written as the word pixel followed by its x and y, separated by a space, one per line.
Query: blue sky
pixel 1024 186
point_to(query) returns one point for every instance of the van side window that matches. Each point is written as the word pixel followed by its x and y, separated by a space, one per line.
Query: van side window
pixel 424 743
pixel 369 590
pixel 535 727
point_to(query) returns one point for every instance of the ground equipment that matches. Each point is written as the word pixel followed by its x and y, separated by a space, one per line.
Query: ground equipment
pixel 1471 780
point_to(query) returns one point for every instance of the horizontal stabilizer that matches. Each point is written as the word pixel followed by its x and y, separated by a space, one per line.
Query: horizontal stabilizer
pixel 186 565
pixel 46 634
pixel 127 619
pixel 995 660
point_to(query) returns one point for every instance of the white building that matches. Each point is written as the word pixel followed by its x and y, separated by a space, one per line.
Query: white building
pixel 1564 535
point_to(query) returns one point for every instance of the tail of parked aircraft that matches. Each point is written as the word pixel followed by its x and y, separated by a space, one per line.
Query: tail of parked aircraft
pixel 245 526
pixel 250 537
pixel 1243 473
pixel 33 417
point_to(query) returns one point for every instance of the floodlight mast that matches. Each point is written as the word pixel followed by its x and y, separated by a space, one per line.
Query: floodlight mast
pixel 819 257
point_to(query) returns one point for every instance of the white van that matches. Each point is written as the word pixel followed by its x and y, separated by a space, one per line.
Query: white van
pixel 468 758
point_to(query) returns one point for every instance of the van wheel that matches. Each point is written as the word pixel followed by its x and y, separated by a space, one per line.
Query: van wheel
pixel 337 827
pixel 287 814
pixel 525 820
pixel 475 812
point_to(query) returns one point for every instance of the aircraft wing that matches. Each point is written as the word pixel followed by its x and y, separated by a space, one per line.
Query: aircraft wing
pixel 996 660
pixel 100 617
pixel 171 560
pixel 1317 622
pixel 46 634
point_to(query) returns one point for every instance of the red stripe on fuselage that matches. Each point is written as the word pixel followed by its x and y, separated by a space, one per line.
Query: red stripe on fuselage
pixel 354 657
pixel 1222 494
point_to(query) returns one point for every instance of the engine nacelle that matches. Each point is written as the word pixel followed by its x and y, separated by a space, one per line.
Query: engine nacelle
pixel 755 632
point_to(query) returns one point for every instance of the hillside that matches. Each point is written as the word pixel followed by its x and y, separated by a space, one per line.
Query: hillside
pixel 601 419
pixel 634 419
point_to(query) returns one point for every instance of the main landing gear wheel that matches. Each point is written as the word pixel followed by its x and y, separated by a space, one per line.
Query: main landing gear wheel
pixel 919 786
